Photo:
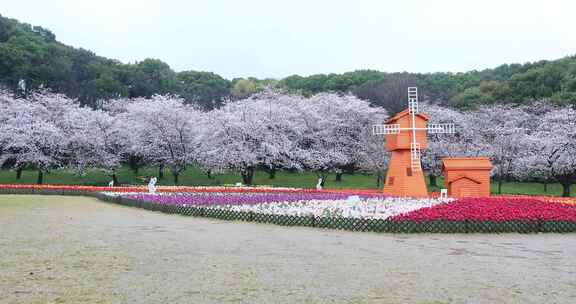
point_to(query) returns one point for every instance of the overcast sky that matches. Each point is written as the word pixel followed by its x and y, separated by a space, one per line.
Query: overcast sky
pixel 268 38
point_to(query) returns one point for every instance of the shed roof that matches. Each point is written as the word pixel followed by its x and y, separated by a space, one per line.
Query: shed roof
pixel 404 113
pixel 466 163
pixel 459 177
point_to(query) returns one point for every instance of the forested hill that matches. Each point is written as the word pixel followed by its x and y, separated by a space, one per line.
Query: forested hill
pixel 32 53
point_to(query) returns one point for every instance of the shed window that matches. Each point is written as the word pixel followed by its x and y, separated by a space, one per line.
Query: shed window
pixel 408 171
pixel 391 181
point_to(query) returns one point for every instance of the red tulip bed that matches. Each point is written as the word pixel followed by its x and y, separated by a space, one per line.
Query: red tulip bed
pixel 497 214
pixel 523 214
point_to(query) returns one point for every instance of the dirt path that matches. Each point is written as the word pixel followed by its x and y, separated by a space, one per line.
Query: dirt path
pixel 78 250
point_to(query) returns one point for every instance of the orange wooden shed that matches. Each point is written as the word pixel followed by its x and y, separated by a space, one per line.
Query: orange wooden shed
pixel 467 176
pixel 401 179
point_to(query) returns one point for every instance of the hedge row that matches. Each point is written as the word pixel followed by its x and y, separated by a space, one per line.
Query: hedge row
pixel 352 224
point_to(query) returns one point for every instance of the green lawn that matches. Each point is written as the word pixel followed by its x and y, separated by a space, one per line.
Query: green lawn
pixel 193 176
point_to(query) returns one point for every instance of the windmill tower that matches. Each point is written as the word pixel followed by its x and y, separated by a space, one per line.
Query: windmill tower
pixel 405 139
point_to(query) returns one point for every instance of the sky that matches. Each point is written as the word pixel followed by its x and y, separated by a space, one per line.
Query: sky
pixel 275 39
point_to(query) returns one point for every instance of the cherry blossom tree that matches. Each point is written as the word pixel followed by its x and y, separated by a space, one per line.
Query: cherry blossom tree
pixel 553 144
pixel 274 130
pixel 257 132
pixel 95 141
pixel 333 126
pixel 7 108
pixel 506 131
pixel 133 152
pixel 464 142
pixel 32 131
pixel 372 157
pixel 163 128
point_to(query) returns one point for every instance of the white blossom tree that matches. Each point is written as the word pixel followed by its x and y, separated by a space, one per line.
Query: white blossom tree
pixel 163 129
pixel 505 130
pixel 464 142
pixel 32 131
pixel 273 130
pixel 372 156
pixel 553 143
pixel 333 129
pixel 95 141
pixel 257 132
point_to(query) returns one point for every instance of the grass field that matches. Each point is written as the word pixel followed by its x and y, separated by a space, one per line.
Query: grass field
pixel 194 177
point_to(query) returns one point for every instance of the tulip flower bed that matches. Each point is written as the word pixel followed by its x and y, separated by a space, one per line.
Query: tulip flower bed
pixel 326 210
pixel 296 204
pixel 338 209
pixel 368 212
pixel 238 198
pixel 494 209
pixel 564 200
pixel 501 214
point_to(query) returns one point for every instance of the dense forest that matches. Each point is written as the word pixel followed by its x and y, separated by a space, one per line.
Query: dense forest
pixel 32 53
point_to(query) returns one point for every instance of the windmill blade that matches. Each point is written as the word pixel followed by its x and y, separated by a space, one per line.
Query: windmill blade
pixel 441 128
pixel 385 129
pixel 412 100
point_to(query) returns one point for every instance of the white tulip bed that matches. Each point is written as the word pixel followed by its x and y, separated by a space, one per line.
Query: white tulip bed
pixel 366 208
pixel 294 204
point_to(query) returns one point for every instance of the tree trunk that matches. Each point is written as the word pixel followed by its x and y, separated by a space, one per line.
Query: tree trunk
pixel 566 189
pixel 115 179
pixel 545 187
pixel 272 173
pixel 209 174
pixel 338 177
pixel 161 172
pixel 40 179
pixel 379 180
pixel 175 174
pixel 247 176
pixel 134 163
pixel 433 182
pixel 18 173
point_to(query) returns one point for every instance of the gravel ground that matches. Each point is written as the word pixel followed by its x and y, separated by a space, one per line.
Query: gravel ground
pixel 79 250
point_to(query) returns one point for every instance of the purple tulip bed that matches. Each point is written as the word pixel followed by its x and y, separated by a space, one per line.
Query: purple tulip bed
pixel 232 199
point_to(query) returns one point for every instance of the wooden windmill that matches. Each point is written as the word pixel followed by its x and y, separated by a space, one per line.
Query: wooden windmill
pixel 405 139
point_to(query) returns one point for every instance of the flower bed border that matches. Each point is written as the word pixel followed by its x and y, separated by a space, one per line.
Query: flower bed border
pixel 350 224
pixel 159 189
